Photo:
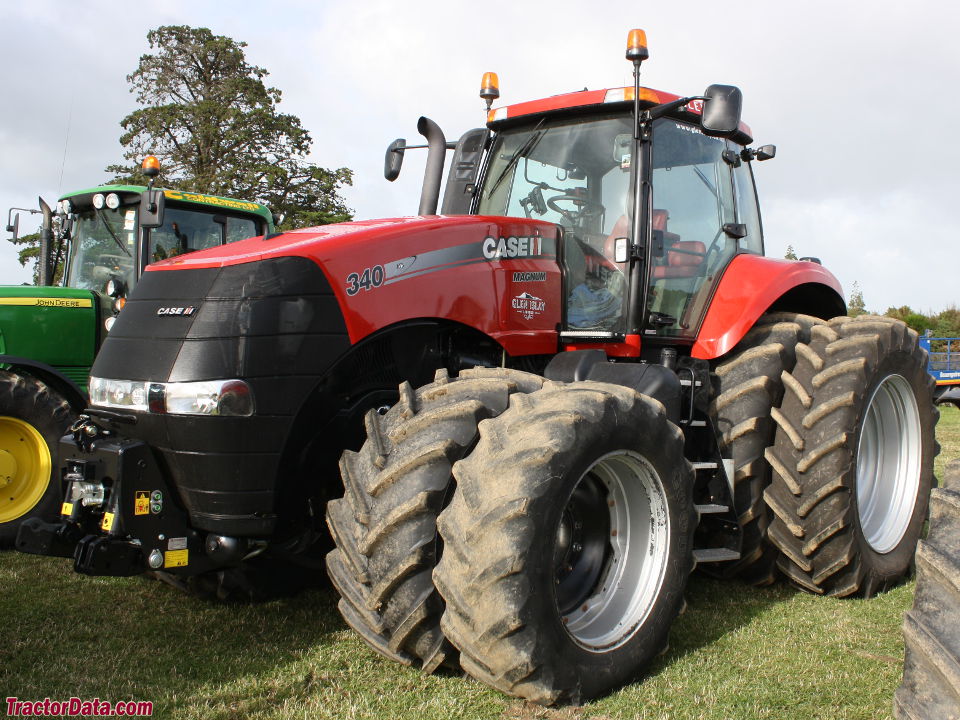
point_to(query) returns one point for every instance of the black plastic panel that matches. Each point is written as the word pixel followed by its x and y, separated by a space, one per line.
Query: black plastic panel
pixel 275 323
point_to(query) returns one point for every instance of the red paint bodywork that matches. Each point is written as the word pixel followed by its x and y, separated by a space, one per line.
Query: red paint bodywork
pixel 479 294
pixel 750 285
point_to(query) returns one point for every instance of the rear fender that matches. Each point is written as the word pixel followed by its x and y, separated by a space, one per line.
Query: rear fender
pixel 753 285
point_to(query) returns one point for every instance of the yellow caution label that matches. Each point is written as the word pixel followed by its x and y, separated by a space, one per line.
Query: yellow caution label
pixel 211 200
pixel 48 302
pixel 107 523
pixel 141 502
pixel 176 558
pixel 66 508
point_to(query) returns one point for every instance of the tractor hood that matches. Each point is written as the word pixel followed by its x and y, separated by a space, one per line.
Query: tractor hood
pixel 326 242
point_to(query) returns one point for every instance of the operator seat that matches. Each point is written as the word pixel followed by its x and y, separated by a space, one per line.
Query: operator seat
pixel 679 258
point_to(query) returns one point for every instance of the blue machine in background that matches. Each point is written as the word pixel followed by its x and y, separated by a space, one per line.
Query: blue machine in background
pixel 944 366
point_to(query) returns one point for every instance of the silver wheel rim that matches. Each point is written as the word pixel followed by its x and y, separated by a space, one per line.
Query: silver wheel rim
pixel 635 561
pixel 888 464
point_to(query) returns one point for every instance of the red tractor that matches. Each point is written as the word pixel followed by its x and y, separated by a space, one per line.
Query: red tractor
pixel 603 383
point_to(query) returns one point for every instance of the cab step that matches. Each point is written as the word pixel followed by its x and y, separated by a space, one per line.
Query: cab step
pixel 712 555
pixel 710 509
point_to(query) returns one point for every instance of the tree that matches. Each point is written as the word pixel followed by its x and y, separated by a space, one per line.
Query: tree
pixel 30 253
pixel 791 255
pixel 856 305
pixel 214 125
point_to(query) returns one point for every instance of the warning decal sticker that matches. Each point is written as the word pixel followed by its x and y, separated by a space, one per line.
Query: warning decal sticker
pixel 141 502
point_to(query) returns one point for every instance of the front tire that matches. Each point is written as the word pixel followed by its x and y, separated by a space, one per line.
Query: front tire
pixel 567 544
pixel 384 527
pixel 33 417
pixel 853 458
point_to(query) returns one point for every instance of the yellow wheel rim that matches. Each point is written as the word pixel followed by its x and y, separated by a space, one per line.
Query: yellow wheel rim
pixel 24 468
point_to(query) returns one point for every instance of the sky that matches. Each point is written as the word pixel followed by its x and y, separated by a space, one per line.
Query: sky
pixel 858 97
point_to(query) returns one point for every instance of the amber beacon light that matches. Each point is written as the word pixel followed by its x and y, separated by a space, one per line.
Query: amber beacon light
pixel 490 88
pixel 150 166
pixel 637 46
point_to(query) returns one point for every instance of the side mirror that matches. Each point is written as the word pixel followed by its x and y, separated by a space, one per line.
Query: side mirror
pixel 152 203
pixel 13 227
pixel 766 152
pixel 721 110
pixel 394 159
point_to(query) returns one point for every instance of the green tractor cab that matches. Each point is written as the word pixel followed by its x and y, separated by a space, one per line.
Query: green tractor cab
pixel 50 334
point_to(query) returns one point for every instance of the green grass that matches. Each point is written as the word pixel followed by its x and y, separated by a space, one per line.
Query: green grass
pixel 737 652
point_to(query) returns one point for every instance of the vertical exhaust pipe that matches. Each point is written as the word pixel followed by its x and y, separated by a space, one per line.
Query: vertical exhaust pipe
pixel 433 175
pixel 46 238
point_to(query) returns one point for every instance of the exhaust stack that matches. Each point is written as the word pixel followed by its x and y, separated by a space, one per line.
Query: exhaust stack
pixel 433 174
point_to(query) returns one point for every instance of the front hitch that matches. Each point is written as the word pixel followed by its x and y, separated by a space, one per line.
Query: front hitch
pixel 120 516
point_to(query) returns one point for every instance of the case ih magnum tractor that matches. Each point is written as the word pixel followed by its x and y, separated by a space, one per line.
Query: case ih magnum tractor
pixel 603 383
pixel 49 335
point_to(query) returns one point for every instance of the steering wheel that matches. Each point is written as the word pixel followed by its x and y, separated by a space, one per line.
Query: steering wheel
pixel 584 208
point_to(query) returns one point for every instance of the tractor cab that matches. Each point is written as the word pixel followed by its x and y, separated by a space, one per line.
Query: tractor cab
pixel 571 160
pixel 110 239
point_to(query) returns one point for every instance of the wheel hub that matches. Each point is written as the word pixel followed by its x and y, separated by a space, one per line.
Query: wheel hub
pixel 889 456
pixel 25 466
pixel 610 570
pixel 8 468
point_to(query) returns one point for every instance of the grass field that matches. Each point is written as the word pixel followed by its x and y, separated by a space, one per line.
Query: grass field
pixel 737 652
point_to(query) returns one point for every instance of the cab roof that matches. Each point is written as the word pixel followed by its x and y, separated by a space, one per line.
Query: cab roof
pixel 128 191
pixel 608 98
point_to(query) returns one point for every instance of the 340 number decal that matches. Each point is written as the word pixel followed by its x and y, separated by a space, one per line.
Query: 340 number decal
pixel 369 279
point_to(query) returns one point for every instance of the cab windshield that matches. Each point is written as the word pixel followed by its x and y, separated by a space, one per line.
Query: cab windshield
pixel 187 230
pixel 575 173
pixel 102 247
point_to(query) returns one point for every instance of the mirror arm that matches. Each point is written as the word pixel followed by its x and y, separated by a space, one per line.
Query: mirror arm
pixel 659 111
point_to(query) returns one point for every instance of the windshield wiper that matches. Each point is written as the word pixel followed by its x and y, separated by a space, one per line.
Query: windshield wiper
pixel 522 150
pixel 110 230
pixel 706 181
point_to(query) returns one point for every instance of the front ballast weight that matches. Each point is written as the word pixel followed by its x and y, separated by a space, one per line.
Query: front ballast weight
pixel 120 517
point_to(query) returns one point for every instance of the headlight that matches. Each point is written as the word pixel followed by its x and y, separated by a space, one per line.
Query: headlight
pixel 98 201
pixel 122 394
pixel 113 201
pixel 229 398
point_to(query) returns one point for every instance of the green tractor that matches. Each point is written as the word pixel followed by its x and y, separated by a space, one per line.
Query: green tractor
pixel 50 334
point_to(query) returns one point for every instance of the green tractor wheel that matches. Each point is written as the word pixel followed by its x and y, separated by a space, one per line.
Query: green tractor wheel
pixel 32 419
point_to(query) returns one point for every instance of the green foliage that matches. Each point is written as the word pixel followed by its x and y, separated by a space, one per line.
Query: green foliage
pixel 207 115
pixel 791 254
pixel 946 323
pixel 856 306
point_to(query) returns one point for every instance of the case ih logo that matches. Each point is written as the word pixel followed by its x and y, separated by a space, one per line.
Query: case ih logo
pixel 512 247
pixel 529 306
pixel 189 310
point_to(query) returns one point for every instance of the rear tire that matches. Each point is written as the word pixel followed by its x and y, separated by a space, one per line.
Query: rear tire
pixel 931 673
pixel 751 385
pixel 568 542
pixel 33 418
pixel 384 527
pixel 853 458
